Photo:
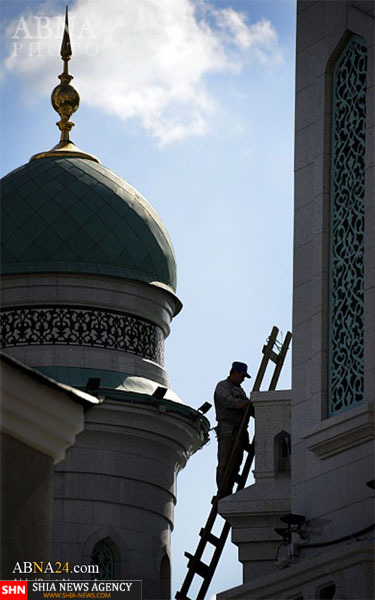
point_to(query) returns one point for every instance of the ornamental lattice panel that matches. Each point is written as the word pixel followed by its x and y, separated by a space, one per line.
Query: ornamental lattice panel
pixel 346 332
pixel 75 326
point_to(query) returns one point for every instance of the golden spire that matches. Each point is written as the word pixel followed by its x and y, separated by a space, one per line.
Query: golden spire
pixel 65 100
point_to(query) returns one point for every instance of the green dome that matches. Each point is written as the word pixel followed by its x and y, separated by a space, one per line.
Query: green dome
pixel 74 215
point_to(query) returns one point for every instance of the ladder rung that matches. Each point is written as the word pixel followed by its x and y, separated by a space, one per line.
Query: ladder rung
pixel 202 569
pixel 189 556
pixel 180 596
pixel 197 565
pixel 241 482
pixel 273 356
pixel 210 537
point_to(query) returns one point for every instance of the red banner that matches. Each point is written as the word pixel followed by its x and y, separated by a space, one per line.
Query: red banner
pixel 15 590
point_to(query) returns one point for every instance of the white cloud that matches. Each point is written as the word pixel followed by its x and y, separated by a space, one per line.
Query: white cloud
pixel 144 59
pixel 260 37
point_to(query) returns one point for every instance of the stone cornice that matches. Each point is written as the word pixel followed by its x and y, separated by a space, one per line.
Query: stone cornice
pixel 44 417
pixel 339 433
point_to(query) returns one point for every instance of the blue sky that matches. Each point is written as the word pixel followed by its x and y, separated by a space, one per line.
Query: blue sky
pixel 192 102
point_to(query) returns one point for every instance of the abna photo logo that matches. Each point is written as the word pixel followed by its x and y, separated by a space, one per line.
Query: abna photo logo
pixel 40 35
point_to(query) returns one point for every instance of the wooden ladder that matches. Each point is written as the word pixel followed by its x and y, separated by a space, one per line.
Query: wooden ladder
pixel 276 353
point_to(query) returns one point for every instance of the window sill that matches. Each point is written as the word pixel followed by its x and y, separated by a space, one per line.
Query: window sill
pixel 339 433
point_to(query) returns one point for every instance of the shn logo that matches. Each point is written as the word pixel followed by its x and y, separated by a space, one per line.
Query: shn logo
pixel 14 589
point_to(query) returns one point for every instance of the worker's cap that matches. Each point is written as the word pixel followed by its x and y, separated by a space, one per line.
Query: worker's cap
pixel 241 367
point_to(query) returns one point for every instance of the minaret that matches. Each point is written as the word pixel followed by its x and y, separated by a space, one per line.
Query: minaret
pixel 88 296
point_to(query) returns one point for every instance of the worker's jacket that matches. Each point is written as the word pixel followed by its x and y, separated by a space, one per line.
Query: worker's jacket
pixel 227 396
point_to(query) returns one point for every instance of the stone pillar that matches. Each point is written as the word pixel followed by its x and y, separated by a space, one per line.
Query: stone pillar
pixel 254 512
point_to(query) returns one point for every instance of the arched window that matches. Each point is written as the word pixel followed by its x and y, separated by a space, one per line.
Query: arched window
pixel 282 450
pixel 103 556
pixel 165 578
pixel 326 592
pixel 346 272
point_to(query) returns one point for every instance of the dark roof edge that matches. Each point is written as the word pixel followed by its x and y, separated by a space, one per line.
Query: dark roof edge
pixel 167 406
pixel 86 400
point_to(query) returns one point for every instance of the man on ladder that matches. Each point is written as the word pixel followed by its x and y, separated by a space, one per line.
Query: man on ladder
pixel 229 396
pixel 230 404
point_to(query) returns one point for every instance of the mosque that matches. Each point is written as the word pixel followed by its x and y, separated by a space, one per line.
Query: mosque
pixel 89 294
pixel 88 297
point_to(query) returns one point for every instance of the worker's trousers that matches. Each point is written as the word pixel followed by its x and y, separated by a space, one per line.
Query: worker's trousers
pixel 226 436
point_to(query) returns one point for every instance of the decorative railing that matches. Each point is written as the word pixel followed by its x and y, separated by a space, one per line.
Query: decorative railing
pixel 79 326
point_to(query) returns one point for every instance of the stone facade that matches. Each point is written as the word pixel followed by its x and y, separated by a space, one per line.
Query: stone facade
pixel 118 484
pixel 254 512
pixel 40 419
pixel 331 554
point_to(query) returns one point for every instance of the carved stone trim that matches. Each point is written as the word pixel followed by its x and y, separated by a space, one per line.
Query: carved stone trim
pixel 346 365
pixel 82 326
